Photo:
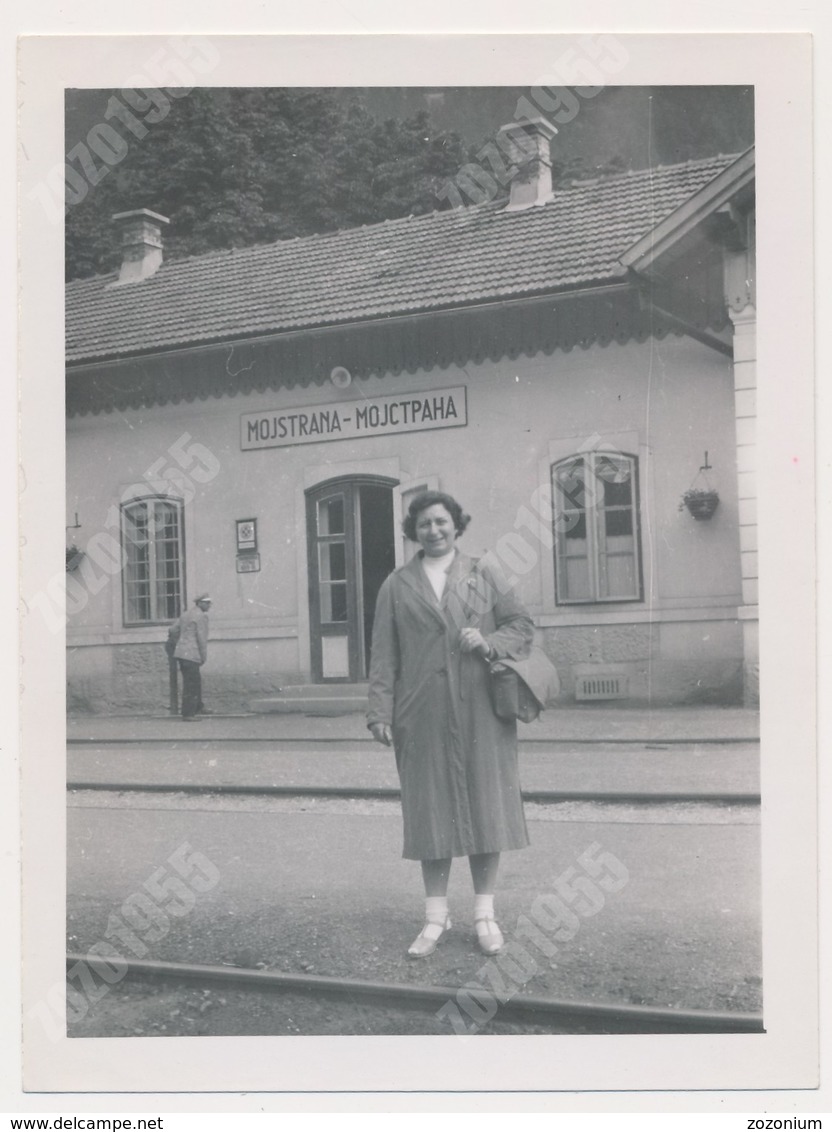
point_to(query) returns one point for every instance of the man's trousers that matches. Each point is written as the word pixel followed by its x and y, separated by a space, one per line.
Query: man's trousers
pixel 191 688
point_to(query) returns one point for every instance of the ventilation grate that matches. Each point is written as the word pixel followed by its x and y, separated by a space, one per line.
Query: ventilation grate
pixel 601 688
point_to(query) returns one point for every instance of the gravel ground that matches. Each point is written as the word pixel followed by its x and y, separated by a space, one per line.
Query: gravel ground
pixel 683 933
pixel 158 1008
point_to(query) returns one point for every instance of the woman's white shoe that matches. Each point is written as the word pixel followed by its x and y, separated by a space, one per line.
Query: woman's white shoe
pixel 489 936
pixel 425 942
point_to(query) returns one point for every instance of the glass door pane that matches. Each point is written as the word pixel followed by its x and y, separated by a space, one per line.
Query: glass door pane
pixel 332 567
pixel 332 560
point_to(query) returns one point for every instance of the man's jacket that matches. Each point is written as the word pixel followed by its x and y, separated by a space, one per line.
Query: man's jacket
pixel 188 637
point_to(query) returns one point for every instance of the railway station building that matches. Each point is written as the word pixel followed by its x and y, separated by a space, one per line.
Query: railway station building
pixel 567 363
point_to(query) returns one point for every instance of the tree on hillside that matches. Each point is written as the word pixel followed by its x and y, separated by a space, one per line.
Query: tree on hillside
pixel 234 167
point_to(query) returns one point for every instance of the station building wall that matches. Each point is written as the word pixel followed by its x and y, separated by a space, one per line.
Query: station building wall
pixel 666 402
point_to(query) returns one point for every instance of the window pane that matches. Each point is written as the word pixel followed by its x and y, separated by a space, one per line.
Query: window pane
pixel 331 516
pixel 576 578
pixel 618 523
pixel 570 487
pixel 573 582
pixel 621 576
pixel 138 603
pixel 167 598
pixel 573 524
pixel 171 606
pixel 167 560
pixel 613 469
pixel 333 601
pixel 165 520
pixel 137 586
pixel 141 609
pixel 136 562
pixel 333 561
pixel 135 524
pixel 617 494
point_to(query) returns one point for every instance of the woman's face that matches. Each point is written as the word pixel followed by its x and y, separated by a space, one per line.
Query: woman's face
pixel 435 530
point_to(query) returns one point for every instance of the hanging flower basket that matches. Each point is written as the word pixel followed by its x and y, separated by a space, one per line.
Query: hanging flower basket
pixel 701 502
pixel 73 558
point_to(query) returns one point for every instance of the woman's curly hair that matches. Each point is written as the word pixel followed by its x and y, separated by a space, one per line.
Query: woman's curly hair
pixel 428 499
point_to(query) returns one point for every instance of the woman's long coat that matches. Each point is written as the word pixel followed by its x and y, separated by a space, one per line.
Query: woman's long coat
pixel 457 761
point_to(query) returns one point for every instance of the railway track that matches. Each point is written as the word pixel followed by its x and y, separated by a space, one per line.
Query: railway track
pixel 331 740
pixel 563 1016
pixel 401 1001
pixel 389 793
pixel 110 780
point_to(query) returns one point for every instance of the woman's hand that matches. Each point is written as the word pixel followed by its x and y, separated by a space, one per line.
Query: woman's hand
pixel 382 733
pixel 472 640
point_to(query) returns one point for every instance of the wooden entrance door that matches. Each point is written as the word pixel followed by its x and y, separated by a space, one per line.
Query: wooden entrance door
pixel 351 546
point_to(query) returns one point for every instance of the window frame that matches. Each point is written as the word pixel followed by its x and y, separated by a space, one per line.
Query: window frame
pixel 594 535
pixel 124 508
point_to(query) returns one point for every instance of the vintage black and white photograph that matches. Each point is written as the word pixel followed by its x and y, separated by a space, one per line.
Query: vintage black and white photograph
pixel 411 584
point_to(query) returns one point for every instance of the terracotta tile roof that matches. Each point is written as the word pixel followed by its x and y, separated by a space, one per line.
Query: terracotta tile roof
pixel 436 261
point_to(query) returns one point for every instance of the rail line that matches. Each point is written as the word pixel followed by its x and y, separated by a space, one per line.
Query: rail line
pixel 569 1016
pixel 391 793
pixel 334 740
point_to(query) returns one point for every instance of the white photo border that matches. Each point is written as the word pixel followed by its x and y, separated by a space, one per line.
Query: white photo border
pixel 786 1056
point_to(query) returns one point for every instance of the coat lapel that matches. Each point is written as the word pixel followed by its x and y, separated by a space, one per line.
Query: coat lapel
pixel 458 576
pixel 461 580
pixel 413 576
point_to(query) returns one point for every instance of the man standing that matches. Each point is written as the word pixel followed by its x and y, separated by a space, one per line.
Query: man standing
pixel 188 642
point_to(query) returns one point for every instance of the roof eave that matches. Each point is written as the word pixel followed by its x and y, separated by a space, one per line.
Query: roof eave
pixel 593 287
pixel 708 200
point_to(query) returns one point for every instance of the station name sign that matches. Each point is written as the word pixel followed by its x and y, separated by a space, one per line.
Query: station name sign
pixel 350 420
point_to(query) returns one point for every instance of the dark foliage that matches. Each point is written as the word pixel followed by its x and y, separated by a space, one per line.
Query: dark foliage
pixel 231 168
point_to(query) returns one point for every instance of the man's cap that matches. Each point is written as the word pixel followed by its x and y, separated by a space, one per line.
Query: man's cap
pixel 202 597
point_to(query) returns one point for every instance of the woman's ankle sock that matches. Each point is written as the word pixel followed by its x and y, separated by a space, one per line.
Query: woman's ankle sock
pixel 436 909
pixel 483 907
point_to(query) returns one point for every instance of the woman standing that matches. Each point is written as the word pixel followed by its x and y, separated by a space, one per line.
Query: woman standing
pixel 438 620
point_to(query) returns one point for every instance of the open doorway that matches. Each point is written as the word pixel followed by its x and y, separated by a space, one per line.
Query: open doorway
pixel 351 543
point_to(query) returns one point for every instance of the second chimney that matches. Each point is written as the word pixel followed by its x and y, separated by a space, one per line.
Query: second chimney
pixel 141 243
pixel 528 144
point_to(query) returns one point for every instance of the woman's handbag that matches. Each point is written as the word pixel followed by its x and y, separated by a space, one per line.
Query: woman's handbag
pixel 520 689
pixel 512 698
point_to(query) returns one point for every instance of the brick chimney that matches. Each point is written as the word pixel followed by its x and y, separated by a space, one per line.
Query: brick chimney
pixel 141 242
pixel 527 143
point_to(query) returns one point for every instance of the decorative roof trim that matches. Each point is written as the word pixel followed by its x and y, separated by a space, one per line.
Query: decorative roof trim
pixel 386 347
pixel 336 328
